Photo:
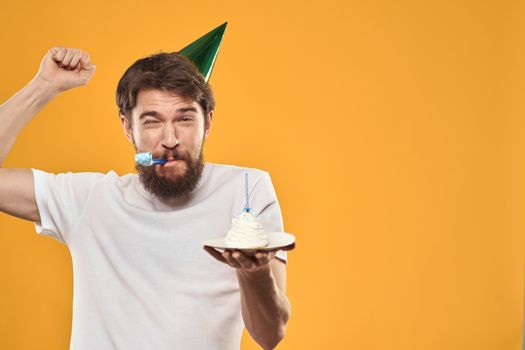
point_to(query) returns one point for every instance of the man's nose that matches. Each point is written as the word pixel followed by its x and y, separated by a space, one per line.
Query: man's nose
pixel 170 139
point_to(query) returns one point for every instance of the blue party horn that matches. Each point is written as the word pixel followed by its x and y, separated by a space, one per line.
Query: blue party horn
pixel 146 159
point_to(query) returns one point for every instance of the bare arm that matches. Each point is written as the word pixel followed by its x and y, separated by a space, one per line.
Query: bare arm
pixel 61 69
pixel 264 305
pixel 17 111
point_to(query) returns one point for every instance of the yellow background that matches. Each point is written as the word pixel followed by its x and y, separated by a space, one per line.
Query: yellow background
pixel 393 131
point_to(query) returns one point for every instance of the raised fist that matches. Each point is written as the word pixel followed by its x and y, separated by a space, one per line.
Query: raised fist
pixel 65 68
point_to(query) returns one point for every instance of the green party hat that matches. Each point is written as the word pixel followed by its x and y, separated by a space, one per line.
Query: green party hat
pixel 204 50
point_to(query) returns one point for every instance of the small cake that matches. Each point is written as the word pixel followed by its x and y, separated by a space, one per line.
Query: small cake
pixel 246 232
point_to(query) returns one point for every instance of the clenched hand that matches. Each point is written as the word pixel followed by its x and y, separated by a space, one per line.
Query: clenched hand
pixel 65 68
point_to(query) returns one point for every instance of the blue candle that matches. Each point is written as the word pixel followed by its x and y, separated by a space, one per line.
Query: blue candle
pixel 246 206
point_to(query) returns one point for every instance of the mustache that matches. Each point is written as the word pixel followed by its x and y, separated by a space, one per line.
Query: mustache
pixel 172 154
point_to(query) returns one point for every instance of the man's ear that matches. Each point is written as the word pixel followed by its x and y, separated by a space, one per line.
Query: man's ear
pixel 126 126
pixel 207 127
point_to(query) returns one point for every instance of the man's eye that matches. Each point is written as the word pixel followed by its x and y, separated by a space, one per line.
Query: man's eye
pixel 150 121
pixel 186 119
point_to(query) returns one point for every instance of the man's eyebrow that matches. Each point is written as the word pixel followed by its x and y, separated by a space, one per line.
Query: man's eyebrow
pixel 148 113
pixel 187 109
pixel 156 114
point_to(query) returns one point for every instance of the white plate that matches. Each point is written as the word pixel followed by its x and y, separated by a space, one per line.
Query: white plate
pixel 276 241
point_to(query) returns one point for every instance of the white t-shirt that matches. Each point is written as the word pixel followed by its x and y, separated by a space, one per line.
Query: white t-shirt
pixel 141 277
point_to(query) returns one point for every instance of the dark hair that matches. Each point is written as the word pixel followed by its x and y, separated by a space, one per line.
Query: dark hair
pixel 167 71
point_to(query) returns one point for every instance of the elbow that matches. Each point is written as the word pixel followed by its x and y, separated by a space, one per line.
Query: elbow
pixel 279 336
pixel 270 343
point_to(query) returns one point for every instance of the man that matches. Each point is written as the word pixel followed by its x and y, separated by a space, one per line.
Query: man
pixel 141 278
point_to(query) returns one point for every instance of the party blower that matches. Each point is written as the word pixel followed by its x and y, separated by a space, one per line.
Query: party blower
pixel 146 159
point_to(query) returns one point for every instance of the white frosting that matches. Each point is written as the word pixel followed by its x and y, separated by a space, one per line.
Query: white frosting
pixel 246 232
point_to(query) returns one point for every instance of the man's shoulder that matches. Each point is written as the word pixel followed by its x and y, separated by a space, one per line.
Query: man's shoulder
pixel 78 177
pixel 231 170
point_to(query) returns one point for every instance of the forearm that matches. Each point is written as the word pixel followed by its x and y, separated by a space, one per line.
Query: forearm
pixel 18 110
pixel 265 308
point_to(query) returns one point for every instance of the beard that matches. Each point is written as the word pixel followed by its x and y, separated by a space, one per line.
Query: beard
pixel 170 187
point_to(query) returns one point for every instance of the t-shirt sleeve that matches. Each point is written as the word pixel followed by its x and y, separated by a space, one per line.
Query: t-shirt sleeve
pixel 265 206
pixel 60 199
